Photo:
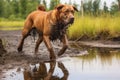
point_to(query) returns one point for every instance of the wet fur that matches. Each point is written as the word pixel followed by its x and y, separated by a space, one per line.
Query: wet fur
pixel 58 31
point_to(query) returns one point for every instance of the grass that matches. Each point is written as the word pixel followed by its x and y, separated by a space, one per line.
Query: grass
pixel 89 27
pixel 93 27
pixel 11 25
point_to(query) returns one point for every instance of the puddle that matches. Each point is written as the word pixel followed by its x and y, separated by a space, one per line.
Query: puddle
pixel 96 65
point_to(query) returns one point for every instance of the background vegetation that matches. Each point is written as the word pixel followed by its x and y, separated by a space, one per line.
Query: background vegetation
pixel 93 21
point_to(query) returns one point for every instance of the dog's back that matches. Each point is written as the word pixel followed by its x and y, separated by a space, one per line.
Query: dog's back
pixel 34 16
pixel 31 17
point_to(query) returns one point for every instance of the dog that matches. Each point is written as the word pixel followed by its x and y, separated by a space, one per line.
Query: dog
pixel 50 26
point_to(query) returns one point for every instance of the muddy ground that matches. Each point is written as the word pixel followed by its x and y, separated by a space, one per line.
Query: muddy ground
pixel 10 58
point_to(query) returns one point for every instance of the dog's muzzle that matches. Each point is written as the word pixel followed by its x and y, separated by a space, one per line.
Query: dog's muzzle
pixel 71 20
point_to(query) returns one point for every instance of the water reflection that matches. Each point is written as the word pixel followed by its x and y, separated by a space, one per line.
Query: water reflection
pixel 104 55
pixel 97 65
pixel 41 72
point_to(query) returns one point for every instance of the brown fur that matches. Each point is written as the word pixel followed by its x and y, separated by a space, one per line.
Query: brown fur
pixel 50 25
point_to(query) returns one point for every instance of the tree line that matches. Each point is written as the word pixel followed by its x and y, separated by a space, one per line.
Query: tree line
pixel 19 9
pixel 93 7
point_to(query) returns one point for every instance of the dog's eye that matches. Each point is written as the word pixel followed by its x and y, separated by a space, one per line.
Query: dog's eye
pixel 72 11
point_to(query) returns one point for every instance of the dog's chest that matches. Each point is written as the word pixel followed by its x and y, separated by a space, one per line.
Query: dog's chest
pixel 57 32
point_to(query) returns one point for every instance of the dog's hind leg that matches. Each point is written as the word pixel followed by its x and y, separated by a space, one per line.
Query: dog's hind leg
pixel 40 39
pixel 20 46
pixel 25 33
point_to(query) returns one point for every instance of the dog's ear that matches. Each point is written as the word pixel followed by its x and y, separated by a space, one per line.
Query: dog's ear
pixel 60 6
pixel 75 8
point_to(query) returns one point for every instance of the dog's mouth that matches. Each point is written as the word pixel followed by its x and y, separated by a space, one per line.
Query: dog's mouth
pixel 70 21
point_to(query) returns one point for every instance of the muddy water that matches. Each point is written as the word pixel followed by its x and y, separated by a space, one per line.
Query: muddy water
pixel 97 65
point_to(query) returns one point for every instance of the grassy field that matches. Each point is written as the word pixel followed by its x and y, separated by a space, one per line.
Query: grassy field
pixel 95 27
pixel 83 28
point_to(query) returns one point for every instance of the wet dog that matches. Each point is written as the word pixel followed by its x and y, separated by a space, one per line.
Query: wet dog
pixel 49 25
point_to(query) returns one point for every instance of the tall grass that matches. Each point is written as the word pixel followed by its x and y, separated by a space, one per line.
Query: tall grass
pixel 92 27
pixel 87 27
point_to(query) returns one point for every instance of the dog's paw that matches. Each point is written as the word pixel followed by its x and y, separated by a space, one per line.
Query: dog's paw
pixel 19 49
pixel 59 54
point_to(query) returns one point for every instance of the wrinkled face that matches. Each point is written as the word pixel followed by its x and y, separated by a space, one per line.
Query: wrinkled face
pixel 66 13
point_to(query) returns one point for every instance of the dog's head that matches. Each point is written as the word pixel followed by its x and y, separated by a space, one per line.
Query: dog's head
pixel 66 13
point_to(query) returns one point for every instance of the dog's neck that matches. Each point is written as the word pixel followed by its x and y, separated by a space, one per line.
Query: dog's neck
pixel 52 18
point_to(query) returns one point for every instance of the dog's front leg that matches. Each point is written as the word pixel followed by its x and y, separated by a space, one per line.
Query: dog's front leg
pixel 65 45
pixel 49 46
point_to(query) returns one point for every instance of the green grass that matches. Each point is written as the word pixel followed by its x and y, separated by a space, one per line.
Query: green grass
pixel 95 26
pixel 11 25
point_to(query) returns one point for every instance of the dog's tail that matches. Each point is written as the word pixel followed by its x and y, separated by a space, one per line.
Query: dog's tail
pixel 41 8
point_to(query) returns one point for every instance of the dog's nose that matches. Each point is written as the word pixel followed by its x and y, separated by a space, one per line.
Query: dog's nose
pixel 71 19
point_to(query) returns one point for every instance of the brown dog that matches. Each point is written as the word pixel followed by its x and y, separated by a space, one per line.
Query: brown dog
pixel 50 25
